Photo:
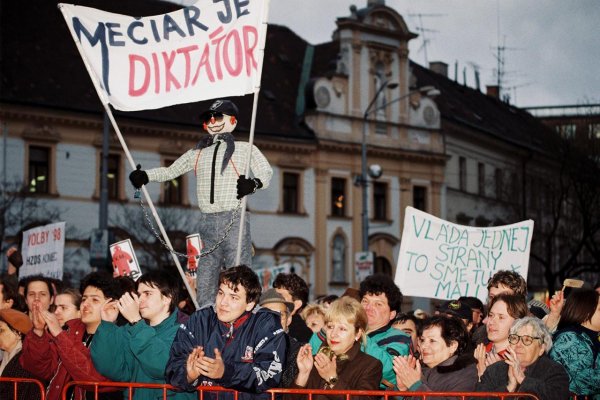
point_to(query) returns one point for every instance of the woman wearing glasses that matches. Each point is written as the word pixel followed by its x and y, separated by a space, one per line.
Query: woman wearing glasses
pixel 527 368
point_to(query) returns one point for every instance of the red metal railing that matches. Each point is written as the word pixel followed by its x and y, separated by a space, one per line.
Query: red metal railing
pixel 274 392
pixel 16 382
pixel 386 394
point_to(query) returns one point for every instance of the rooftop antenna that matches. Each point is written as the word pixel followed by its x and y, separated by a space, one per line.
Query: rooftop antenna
pixel 476 69
pixel 500 55
pixel 424 31
pixel 500 71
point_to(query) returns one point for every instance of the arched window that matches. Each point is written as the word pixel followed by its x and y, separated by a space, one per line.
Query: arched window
pixel 338 259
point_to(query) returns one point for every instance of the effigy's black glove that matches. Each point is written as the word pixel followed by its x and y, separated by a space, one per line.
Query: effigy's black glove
pixel 138 177
pixel 247 186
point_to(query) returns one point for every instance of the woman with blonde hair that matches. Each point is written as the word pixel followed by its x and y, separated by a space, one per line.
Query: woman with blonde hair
pixel 314 317
pixel 339 364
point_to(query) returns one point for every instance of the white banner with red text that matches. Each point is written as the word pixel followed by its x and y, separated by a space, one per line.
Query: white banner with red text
pixel 43 251
pixel 204 51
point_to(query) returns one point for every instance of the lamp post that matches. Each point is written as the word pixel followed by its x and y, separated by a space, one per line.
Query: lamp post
pixel 429 91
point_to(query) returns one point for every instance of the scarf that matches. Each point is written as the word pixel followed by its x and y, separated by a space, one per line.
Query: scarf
pixel 209 140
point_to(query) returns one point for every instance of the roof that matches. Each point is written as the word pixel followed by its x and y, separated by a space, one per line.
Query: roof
pixel 462 105
pixel 40 66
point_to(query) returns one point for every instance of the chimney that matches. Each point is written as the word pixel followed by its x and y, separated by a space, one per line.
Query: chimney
pixel 439 67
pixel 493 91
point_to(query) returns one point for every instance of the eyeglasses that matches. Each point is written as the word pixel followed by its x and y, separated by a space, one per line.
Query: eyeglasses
pixel 525 339
pixel 218 116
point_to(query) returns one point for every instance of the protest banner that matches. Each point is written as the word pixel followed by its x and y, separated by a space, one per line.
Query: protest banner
pixel 124 261
pixel 43 251
pixel 442 260
pixel 194 246
pixel 266 275
pixel 204 51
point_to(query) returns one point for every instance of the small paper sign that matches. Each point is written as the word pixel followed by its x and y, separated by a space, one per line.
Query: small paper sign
pixel 124 261
pixel 194 247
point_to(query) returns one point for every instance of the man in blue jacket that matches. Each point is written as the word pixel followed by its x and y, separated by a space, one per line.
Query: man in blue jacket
pixel 139 350
pixel 230 343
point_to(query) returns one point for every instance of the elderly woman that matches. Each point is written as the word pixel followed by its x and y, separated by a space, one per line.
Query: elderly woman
pixel 505 309
pixel 576 344
pixel 13 326
pixel 527 367
pixel 449 368
pixel 339 365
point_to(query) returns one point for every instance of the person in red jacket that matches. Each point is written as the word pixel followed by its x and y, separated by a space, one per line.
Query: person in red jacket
pixel 58 354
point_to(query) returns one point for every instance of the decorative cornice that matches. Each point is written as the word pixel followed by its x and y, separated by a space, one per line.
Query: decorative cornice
pixel 39 132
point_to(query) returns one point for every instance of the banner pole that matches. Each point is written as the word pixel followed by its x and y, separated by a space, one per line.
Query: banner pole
pixel 151 206
pixel 261 57
pixel 105 104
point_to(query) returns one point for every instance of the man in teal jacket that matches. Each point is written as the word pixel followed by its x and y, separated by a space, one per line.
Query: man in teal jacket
pixel 139 351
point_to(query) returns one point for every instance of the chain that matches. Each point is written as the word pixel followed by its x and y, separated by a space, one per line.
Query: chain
pixel 205 253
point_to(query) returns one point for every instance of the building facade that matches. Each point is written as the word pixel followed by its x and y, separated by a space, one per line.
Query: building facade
pixel 451 155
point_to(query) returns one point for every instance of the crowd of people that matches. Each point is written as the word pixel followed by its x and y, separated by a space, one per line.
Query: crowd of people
pixel 250 340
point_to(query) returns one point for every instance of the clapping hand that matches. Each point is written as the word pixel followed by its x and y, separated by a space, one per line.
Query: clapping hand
pixel 326 367
pixel 516 375
pixel 193 364
pixel 213 368
pixel 109 311
pixel 39 324
pixel 52 323
pixel 408 371
pixel 129 307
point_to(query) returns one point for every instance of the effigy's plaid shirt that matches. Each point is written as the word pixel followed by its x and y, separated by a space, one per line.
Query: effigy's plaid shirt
pixel 224 188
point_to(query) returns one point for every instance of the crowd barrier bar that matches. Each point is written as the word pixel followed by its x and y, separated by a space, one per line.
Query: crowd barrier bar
pixel 386 394
pixel 17 381
pixel 87 385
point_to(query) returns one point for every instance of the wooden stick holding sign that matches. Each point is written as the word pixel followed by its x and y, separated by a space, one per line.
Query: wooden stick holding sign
pixel 573 283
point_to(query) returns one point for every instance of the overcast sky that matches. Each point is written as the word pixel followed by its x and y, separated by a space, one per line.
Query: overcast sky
pixel 552 54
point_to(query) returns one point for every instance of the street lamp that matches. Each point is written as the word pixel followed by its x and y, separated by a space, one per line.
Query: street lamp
pixel 429 91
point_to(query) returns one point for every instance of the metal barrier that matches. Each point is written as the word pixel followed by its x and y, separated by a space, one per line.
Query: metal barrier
pixel 19 381
pixel 90 385
pixel 385 394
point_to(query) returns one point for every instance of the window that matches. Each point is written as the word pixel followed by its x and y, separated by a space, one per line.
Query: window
pixel 481 178
pixel 338 259
pixel 291 192
pixel 114 161
pixel 338 197
pixel 172 190
pixel 567 131
pixel 594 131
pixel 39 169
pixel 499 183
pixel 462 173
pixel 380 201
pixel 420 198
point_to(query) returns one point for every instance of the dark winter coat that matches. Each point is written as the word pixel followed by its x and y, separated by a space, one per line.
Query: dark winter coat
pixel 545 378
pixel 253 349
pixel 25 391
pixel 456 374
